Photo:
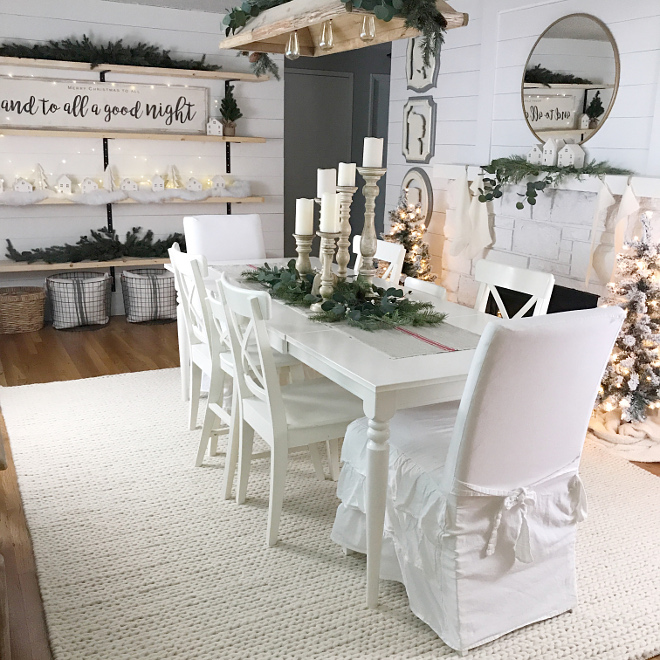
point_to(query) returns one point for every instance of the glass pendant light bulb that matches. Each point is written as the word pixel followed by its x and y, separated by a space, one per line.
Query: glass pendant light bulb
pixel 327 40
pixel 292 51
pixel 368 31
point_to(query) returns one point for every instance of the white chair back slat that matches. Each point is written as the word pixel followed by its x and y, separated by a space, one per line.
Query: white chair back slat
pixel 529 396
pixel 225 237
pixel 422 286
pixel 535 284
pixel 393 253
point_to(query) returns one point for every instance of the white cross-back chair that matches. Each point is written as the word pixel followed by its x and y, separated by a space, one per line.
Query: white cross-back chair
pixel 414 285
pixel 393 253
pixel 484 496
pixel 286 417
pixel 537 285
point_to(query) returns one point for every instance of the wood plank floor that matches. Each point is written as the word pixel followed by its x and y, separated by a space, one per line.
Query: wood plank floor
pixel 51 355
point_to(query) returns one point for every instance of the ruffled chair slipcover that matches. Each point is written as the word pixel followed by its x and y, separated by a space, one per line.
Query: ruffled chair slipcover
pixel 484 496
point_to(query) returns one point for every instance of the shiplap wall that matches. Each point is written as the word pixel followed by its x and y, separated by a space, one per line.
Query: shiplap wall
pixel 187 34
pixel 480 118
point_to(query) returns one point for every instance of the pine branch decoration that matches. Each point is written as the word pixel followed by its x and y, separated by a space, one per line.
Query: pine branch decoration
pixel 542 76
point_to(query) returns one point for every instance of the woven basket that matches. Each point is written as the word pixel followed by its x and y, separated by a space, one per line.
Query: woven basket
pixel 21 309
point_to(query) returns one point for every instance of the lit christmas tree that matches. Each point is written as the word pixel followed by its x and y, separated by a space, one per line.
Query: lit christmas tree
pixel 407 227
pixel 632 377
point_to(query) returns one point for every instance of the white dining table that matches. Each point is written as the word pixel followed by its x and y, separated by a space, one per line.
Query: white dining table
pixel 384 385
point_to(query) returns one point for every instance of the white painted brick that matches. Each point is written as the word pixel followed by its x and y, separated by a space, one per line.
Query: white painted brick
pixel 467 291
pixel 542 210
pixel 437 223
pixel 536 239
pixel 566 245
pixel 504 222
pixel 458 264
pixel 436 263
pixel 449 280
pixel 564 257
pixel 503 239
pixel 573 207
pixel 549 267
pixel 580 260
pixel 507 258
pixel 509 201
pixel 576 233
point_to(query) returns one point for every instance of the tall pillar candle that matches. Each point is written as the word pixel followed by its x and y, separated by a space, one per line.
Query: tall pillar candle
pixel 372 155
pixel 326 182
pixel 304 217
pixel 346 177
pixel 329 213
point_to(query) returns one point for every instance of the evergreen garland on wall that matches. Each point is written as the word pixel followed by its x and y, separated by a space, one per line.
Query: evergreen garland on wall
pixel 114 52
pixel 542 76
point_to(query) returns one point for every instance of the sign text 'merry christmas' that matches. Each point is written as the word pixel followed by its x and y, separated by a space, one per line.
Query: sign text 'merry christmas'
pixel 38 103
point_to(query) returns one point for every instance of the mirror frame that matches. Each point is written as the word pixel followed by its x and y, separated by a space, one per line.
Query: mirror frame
pixel 617 72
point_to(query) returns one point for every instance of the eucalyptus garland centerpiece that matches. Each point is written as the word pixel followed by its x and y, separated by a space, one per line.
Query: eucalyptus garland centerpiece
pixel 422 15
pixel 356 302
pixel 515 169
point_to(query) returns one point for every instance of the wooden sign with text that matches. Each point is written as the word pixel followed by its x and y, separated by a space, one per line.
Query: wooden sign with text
pixel 106 106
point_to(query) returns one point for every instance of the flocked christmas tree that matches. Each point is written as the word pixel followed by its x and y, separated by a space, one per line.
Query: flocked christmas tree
pixel 407 227
pixel 632 378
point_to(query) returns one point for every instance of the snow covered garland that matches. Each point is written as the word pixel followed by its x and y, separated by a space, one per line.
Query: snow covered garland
pixel 112 189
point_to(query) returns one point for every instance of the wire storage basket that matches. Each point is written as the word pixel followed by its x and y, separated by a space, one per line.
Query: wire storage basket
pixel 149 295
pixel 21 309
pixel 79 298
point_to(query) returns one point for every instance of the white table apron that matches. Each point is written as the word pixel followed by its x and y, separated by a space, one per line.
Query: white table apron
pixel 384 385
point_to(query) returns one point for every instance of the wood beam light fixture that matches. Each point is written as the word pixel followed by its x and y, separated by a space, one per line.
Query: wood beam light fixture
pixel 312 28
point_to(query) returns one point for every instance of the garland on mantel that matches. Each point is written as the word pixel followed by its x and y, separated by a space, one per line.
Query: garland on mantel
pixel 422 15
pixel 513 170
pixel 104 245
pixel 115 52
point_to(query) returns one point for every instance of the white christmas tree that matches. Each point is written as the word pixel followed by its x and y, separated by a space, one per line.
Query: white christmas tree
pixel 109 181
pixel 40 179
pixel 632 378
pixel 173 178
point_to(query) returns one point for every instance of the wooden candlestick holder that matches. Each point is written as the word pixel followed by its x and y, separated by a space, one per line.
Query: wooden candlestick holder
pixel 304 249
pixel 327 277
pixel 368 244
pixel 344 243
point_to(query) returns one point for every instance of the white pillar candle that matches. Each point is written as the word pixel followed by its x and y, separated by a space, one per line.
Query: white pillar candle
pixel 330 213
pixel 373 152
pixel 304 217
pixel 326 182
pixel 346 175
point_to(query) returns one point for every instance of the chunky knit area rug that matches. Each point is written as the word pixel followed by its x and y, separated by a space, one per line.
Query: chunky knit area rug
pixel 140 559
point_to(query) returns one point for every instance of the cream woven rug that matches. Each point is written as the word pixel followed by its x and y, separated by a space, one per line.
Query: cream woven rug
pixel 140 559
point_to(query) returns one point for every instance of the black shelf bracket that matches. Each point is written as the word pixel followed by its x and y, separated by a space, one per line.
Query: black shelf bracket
pixel 108 207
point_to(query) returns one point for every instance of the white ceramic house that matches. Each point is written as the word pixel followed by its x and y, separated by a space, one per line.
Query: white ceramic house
pixel 157 183
pixel 23 185
pixel 64 184
pixel 218 185
pixel 128 185
pixel 193 185
pixel 535 155
pixel 551 151
pixel 571 155
pixel 88 185
pixel 213 127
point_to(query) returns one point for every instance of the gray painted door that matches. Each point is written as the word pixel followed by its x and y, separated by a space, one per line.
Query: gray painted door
pixel 318 117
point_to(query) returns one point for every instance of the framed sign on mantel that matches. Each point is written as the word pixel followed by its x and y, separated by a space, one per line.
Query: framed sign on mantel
pixel 47 103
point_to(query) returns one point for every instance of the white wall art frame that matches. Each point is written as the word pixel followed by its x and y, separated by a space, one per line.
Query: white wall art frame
pixel 419 115
pixel 420 77
pixel 417 179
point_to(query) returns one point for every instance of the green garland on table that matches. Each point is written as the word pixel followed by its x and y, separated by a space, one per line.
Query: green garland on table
pixel 422 15
pixel 115 52
pixel 541 76
pixel 104 245
pixel 513 170
pixel 352 301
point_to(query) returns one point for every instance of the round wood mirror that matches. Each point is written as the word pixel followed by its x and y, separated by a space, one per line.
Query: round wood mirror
pixel 571 79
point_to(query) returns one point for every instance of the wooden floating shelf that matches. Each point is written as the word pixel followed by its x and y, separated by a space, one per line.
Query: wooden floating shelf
pixel 269 32
pixel 568 86
pixel 180 137
pixel 51 201
pixel 132 70
pixel 39 266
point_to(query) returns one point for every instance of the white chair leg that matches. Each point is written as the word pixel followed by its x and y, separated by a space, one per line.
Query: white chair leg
pixel 278 462
pixel 244 460
pixel 315 453
pixel 195 386
pixel 333 458
pixel 184 353
pixel 210 419
pixel 232 449
pixel 348 552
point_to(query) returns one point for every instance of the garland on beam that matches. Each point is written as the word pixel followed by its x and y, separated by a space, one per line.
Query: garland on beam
pixel 104 245
pixel 114 52
pixel 359 304
pixel 422 15
pixel 513 170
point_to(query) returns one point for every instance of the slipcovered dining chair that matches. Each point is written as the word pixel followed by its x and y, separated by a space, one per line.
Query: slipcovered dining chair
pixel 286 417
pixel 484 497
pixel 413 285
pixel 537 285
pixel 393 253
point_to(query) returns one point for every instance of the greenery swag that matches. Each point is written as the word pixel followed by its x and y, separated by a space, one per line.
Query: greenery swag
pixel 104 245
pixel 115 52
pixel 356 302
pixel 515 169
pixel 542 76
pixel 422 15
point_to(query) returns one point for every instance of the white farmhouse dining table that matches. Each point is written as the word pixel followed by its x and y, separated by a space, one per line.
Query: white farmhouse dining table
pixel 384 385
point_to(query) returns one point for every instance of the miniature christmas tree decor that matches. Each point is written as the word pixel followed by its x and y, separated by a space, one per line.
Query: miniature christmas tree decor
pixel 407 228
pixel 632 378
pixel 230 111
